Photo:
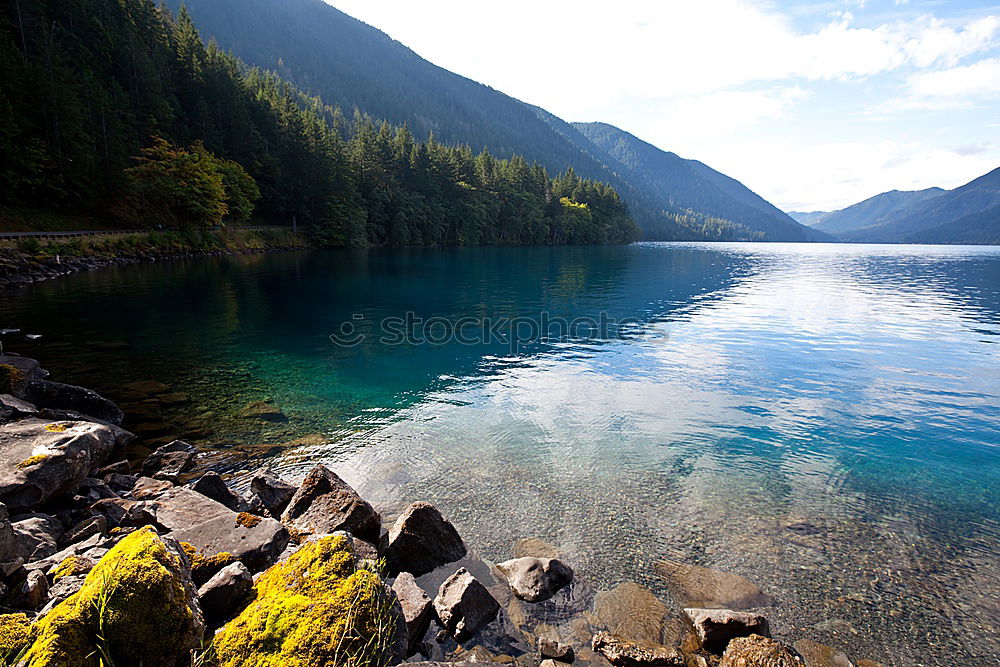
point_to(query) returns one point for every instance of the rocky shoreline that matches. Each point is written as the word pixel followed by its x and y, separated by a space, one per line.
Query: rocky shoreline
pixel 158 561
pixel 19 268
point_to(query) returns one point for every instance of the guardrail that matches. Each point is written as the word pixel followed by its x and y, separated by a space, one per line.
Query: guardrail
pixel 112 232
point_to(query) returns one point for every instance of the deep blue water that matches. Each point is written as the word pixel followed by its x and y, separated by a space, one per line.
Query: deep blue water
pixel 824 419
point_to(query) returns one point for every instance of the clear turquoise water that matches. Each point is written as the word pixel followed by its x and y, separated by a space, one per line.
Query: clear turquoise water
pixel 823 419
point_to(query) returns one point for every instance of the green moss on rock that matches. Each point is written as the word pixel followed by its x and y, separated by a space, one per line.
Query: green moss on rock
pixel 70 566
pixel 16 633
pixel 313 610
pixel 136 607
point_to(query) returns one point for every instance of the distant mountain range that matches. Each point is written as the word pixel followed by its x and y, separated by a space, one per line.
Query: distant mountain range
pixel 355 66
pixel 968 214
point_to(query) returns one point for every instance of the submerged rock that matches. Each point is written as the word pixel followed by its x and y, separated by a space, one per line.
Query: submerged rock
pixel 632 612
pixel 821 655
pixel 463 605
pixel 624 653
pixel 758 651
pixel 40 460
pixel 694 586
pixel 139 599
pixel 421 540
pixel 325 504
pixel 715 627
pixel 548 648
pixel 263 410
pixel 312 610
pixel 536 579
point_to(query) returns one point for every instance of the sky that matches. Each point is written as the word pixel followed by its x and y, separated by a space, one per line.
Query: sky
pixel 813 105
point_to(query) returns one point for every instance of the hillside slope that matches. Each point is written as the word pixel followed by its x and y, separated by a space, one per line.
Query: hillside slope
pixel 689 184
pixel 874 210
pixel 966 203
pixel 353 65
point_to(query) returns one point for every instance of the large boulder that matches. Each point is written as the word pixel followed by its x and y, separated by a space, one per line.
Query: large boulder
pixel 169 461
pixel 631 611
pixel 463 605
pixel 624 653
pixel 12 408
pixel 421 540
pixel 758 651
pixel 705 588
pixel 536 579
pixel 212 529
pixel 314 609
pixel 8 538
pixel 137 606
pixel 220 596
pixel 212 485
pixel 417 610
pixel 272 492
pixel 326 504
pixel 41 459
pixel 715 627
pixel 59 396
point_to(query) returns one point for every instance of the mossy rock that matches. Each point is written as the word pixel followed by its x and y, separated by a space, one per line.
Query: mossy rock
pixel 16 633
pixel 313 610
pixel 10 378
pixel 137 606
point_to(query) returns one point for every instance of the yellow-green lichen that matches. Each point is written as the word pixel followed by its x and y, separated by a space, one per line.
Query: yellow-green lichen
pixel 133 609
pixel 70 566
pixel 203 566
pixel 16 633
pixel 247 520
pixel 10 378
pixel 31 461
pixel 56 428
pixel 313 610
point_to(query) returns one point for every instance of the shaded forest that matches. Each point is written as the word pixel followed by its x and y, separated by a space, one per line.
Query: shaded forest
pixel 120 109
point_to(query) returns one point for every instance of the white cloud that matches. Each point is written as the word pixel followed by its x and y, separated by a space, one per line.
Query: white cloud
pixel 971 81
pixel 725 111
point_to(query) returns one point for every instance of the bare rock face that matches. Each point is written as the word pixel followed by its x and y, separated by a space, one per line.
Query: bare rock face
pixel 212 528
pixel 705 588
pixel 463 605
pixel 220 596
pixel 623 653
pixel 417 610
pixel 34 591
pixel 59 396
pixel 716 627
pixel 273 492
pixel 421 540
pixel 821 655
pixel 536 579
pixel 37 536
pixel 8 538
pixel 169 460
pixel 325 504
pixel 758 651
pixel 212 485
pixel 40 459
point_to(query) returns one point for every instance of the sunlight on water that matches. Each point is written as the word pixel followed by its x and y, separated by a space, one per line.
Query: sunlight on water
pixel 823 419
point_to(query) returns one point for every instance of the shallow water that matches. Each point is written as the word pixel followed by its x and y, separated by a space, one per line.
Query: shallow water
pixel 823 419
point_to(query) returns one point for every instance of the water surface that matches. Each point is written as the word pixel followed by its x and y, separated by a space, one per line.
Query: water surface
pixel 823 419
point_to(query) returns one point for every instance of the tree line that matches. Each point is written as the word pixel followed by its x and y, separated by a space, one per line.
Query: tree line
pixel 120 108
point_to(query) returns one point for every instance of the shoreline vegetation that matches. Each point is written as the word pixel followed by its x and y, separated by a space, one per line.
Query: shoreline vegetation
pixel 121 112
pixel 113 554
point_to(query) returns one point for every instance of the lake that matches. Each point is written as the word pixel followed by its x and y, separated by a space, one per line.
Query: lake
pixel 822 419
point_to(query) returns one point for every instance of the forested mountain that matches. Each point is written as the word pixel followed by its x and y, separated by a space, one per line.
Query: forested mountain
pixel 976 228
pixel 874 210
pixel 973 204
pixel 691 185
pixel 352 65
pixel 119 109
